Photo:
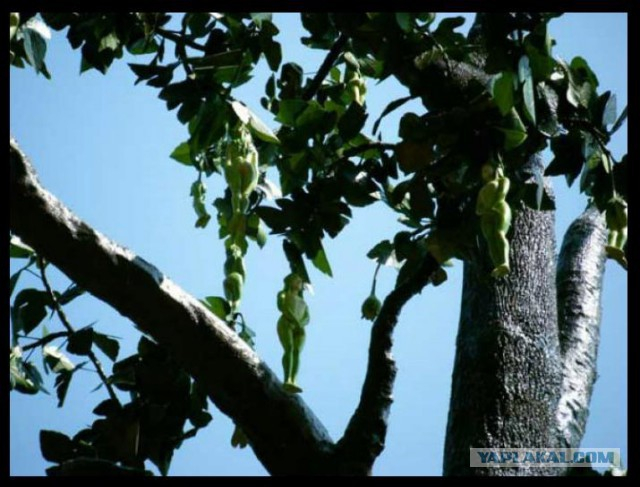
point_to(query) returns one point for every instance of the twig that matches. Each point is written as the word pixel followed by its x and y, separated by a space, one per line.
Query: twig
pixel 173 36
pixel 44 340
pixel 365 147
pixel 65 322
pixel 182 52
pixel 325 67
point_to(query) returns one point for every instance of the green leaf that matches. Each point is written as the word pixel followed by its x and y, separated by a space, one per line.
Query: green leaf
pixel 405 20
pixel 19 379
pixel 200 419
pixel 383 253
pixel 270 189
pixel 513 138
pixel 606 162
pixel 32 374
pixel 255 230
pixel 30 308
pixel 243 113
pixel 14 20
pixel 55 360
pixel 197 23
pixel 55 446
pixel 80 342
pixel 502 91
pixel 143 46
pixel 218 306
pixel 569 157
pixel 352 121
pixel 262 131
pixel 36 34
pixel 182 154
pixel 272 52
pixel 13 280
pixel 294 257
pixel 109 346
pixel 609 112
pixel 18 249
pixel 547 112
pixel 62 383
pixel 258 18
pixel 529 101
pixel 321 262
pixel 70 294
pixel 351 60
pixel 107 407
pixel 274 218
pixel 395 104
pixel 514 130
pixel 289 110
pixel 619 122
pixel 524 69
pixel 110 41
pixel 257 126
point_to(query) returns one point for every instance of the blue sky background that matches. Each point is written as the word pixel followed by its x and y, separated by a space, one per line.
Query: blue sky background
pixel 102 146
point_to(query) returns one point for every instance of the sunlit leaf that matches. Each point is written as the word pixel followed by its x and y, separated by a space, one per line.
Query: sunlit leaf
pixel 322 263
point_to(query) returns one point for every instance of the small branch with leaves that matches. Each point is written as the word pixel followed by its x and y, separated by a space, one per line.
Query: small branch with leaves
pixel 71 330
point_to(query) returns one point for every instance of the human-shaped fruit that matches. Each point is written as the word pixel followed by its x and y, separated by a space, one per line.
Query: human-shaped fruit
pixel 617 220
pixel 232 285
pixel 356 85
pixel 495 217
pixel 293 319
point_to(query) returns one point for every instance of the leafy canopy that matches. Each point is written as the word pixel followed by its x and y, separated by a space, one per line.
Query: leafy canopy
pixel 495 96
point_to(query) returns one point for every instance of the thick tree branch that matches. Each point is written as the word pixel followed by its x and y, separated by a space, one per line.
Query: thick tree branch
pixel 325 67
pixel 365 434
pixel 579 284
pixel 506 377
pixel 284 433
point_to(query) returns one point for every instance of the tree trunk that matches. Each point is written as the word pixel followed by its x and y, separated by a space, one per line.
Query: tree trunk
pixel 507 373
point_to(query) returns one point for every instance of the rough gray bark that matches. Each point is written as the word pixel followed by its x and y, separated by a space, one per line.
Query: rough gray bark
pixel 525 368
pixel 506 377
pixel 579 282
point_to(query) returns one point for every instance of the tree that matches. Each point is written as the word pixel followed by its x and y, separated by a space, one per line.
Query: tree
pixel 503 107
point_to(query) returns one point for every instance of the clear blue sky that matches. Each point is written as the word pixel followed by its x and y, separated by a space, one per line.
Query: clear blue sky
pixel 102 146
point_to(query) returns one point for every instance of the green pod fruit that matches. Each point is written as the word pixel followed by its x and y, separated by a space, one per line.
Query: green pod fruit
pixel 371 308
pixel 616 214
pixel 232 285
pixel 293 282
pixel 248 174
pixel 232 176
pixel 237 226
pixel 234 264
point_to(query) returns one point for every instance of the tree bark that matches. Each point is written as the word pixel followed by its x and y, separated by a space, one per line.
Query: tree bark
pixel 507 371
pixel 579 282
pixel 525 366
